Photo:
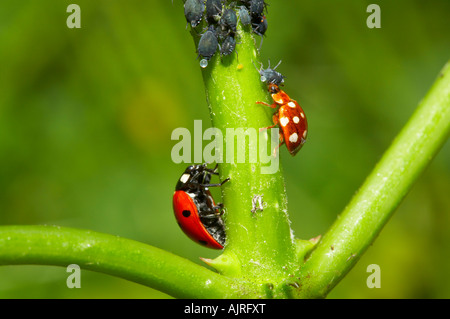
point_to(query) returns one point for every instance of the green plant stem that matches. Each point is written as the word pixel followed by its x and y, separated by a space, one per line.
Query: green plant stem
pixel 362 220
pixel 125 258
pixel 260 257
pixel 260 253
pixel 260 242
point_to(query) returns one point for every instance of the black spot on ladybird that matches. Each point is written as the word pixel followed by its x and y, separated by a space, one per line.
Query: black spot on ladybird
pixel 202 242
pixel 186 213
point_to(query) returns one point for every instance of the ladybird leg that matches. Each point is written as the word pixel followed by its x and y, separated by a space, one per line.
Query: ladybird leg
pixel 273 105
pixel 275 123
pixel 216 210
pixel 219 209
pixel 266 128
pixel 276 149
pixel 224 181
pixel 214 170
pixel 211 216
pixel 211 185
pixel 216 185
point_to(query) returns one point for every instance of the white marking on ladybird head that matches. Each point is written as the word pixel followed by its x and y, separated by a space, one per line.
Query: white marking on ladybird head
pixel 184 178
pixel 293 138
pixel 292 104
pixel 296 119
pixel 279 101
pixel 284 121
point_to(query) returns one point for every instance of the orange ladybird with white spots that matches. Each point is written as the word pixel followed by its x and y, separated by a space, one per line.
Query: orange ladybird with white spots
pixel 290 117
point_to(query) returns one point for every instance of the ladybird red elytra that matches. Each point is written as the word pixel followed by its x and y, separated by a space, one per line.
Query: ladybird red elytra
pixel 195 210
pixel 290 117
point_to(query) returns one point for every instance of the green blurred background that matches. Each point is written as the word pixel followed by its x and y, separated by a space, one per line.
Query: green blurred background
pixel 86 117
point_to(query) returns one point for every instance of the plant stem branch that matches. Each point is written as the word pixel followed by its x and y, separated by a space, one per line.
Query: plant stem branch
pixel 113 255
pixel 260 242
pixel 362 220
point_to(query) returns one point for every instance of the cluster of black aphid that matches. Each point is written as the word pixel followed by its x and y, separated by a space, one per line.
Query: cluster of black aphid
pixel 222 20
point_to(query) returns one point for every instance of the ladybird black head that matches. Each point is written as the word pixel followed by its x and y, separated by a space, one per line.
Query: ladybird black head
pixel 194 176
pixel 273 88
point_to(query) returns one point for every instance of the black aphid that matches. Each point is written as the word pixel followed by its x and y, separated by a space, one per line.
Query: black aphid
pixel 270 75
pixel 193 11
pixel 213 10
pixel 207 46
pixel 260 25
pixel 228 21
pixel 256 7
pixel 244 16
pixel 228 45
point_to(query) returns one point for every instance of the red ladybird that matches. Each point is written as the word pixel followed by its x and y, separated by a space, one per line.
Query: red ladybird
pixel 195 210
pixel 290 117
